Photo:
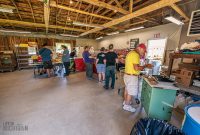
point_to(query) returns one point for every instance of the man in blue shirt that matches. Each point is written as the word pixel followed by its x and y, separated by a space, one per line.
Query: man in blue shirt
pixel 65 59
pixel 46 55
pixel 88 62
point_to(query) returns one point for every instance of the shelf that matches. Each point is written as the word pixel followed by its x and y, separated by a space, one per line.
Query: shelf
pixel 192 89
pixel 23 63
pixel 22 59
pixel 24 55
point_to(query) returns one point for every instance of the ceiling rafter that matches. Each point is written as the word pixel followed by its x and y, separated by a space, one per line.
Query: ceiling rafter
pixel 16 9
pixel 179 11
pixel 41 25
pixel 46 14
pixel 54 4
pixel 131 6
pixel 29 3
pixel 145 10
pixel 118 4
pixel 105 5
pixel 8 19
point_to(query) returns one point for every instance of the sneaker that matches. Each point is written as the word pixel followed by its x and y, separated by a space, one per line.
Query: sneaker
pixel 124 102
pixel 129 108
pixel 105 87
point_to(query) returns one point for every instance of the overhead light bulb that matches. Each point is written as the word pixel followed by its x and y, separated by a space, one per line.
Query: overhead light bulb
pixel 71 2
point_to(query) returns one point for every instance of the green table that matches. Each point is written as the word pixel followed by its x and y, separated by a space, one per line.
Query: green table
pixel 158 100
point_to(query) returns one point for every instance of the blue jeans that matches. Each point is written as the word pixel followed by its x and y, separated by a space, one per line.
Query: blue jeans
pixel 110 73
pixel 89 70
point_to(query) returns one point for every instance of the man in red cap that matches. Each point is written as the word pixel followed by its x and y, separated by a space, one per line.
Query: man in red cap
pixel 132 71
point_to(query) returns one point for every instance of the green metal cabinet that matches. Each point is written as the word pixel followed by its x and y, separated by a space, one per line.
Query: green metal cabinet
pixel 157 101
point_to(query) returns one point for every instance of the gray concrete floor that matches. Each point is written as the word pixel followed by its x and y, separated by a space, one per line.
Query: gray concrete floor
pixel 60 106
pixel 63 106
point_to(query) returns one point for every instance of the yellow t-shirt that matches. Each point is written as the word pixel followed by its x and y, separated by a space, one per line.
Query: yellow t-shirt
pixel 132 58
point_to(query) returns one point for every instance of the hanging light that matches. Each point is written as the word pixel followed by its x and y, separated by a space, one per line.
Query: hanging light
pixel 133 29
pixel 174 20
pixel 99 38
pixel 113 33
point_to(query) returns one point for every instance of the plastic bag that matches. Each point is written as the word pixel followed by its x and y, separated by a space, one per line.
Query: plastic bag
pixel 149 126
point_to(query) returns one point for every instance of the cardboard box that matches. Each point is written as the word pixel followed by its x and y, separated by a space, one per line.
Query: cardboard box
pixel 186 77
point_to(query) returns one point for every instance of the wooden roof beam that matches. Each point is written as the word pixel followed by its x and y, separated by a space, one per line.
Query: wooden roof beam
pixel 46 14
pixel 158 5
pixel 179 11
pixel 54 4
pixel 131 6
pixel 40 25
pixel 16 9
pixel 105 5
pixel 118 4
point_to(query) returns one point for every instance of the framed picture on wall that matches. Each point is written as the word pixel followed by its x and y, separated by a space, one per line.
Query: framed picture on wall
pixel 133 43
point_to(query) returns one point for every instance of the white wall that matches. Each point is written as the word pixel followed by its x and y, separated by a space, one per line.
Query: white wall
pixel 120 41
pixel 87 42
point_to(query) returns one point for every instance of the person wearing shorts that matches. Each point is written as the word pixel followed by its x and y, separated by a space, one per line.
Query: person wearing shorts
pixel 46 55
pixel 132 71
pixel 101 67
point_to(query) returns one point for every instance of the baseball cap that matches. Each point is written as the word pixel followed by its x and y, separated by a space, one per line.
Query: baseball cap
pixel 142 45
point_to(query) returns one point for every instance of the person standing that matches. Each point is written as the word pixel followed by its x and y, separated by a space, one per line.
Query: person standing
pixel 132 71
pixel 110 61
pixel 72 61
pixel 46 55
pixel 100 65
pixel 66 60
pixel 88 63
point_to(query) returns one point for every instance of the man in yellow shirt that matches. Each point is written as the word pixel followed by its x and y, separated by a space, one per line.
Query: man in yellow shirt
pixel 132 71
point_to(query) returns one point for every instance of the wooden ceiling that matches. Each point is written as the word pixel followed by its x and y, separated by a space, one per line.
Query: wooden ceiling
pixel 99 16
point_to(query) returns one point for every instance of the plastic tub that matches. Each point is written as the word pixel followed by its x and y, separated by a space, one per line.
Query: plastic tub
pixel 191 124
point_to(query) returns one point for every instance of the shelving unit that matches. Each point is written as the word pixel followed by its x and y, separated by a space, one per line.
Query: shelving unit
pixel 192 89
pixel 23 57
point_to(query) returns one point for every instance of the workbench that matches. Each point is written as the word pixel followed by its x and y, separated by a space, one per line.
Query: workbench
pixel 158 100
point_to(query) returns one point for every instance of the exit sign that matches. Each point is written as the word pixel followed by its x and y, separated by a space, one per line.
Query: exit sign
pixel 157 35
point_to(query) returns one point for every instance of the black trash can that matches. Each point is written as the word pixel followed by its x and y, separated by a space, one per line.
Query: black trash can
pixel 149 126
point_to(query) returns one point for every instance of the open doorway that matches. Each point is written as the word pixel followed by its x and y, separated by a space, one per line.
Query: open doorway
pixel 156 53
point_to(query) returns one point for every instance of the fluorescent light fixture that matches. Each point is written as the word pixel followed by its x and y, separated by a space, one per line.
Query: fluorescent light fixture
pixel 174 20
pixel 13 31
pixel 87 25
pixel 6 10
pixel 68 35
pixel 99 38
pixel 133 29
pixel 113 33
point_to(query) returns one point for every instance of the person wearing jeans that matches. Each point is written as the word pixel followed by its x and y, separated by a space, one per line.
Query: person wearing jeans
pixel 88 63
pixel 110 61
pixel 65 59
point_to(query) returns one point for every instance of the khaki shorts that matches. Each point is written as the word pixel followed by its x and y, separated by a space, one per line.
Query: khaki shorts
pixel 131 84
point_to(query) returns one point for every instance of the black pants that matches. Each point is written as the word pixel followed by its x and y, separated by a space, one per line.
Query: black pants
pixel 66 65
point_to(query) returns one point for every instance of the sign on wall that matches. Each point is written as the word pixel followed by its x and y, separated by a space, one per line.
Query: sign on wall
pixel 133 43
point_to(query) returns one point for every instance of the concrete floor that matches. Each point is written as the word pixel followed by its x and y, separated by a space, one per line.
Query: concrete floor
pixel 63 106
pixel 60 106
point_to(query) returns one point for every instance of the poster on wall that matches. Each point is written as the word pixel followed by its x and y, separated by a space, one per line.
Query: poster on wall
pixel 133 43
